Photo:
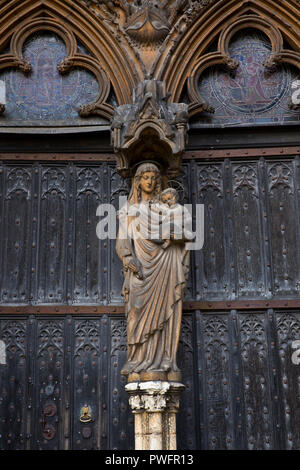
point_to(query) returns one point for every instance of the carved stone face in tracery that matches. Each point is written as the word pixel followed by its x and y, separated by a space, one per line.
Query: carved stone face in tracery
pixel 148 182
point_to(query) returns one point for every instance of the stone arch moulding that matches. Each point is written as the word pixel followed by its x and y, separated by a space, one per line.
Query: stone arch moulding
pixel 110 52
pixel 278 55
pixel 73 59
pixel 192 39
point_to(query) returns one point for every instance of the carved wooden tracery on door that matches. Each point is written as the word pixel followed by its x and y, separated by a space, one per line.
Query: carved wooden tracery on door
pixel 61 313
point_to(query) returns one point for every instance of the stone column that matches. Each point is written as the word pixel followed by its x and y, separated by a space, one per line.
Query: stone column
pixel 155 405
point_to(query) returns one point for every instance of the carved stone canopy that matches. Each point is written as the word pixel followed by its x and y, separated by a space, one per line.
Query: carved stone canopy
pixel 150 126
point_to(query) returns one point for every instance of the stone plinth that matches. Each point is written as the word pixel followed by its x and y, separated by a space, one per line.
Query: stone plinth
pixel 155 405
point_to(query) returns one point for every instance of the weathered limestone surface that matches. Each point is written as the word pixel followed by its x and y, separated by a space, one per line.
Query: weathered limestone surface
pixel 155 405
pixel 150 126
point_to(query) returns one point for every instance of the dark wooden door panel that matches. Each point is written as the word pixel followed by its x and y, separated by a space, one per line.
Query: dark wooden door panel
pixel 50 252
pixel 241 384
pixel 61 386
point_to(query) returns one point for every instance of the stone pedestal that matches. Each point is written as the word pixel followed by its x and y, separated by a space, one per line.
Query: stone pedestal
pixel 155 405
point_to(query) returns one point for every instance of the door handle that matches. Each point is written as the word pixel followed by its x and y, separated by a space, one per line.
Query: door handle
pixel 85 414
pixel 48 430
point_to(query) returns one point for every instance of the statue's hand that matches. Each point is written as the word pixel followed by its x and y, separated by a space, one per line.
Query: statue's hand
pixel 136 268
pixel 132 266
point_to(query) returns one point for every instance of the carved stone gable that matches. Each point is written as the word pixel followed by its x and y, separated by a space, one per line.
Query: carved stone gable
pixel 150 125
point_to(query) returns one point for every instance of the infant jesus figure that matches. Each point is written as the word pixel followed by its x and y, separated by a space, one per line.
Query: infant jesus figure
pixel 176 220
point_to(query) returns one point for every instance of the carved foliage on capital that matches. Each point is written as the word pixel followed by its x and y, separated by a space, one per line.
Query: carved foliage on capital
pixel 150 125
pixel 150 403
pixel 158 397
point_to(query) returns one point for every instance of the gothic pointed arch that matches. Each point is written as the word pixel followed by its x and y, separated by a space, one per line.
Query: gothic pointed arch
pixel 71 21
pixel 218 24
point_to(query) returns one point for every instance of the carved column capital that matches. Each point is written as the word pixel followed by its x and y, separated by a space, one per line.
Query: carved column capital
pixel 154 396
pixel 155 405
pixel 147 403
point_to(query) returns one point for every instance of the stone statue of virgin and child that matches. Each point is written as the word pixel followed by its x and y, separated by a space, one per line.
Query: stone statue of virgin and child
pixel 151 243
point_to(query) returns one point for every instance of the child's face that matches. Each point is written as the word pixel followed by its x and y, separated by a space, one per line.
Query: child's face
pixel 169 198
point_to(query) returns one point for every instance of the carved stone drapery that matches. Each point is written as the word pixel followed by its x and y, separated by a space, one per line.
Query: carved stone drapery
pixel 150 126
pixel 151 129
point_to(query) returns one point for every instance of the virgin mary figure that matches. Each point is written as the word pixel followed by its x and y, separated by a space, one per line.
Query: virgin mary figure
pixel 154 285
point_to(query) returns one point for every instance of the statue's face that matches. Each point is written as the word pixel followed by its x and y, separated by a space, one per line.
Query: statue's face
pixel 148 182
pixel 169 199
